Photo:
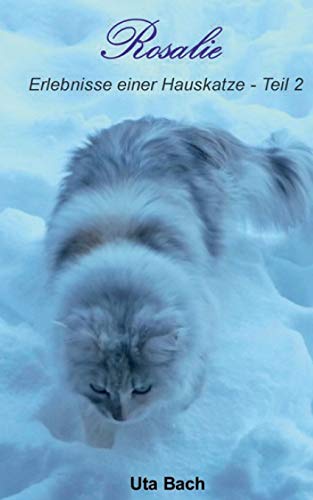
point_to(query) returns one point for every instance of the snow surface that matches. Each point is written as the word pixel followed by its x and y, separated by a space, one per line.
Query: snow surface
pixel 250 435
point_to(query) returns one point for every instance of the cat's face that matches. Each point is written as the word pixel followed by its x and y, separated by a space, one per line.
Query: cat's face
pixel 125 368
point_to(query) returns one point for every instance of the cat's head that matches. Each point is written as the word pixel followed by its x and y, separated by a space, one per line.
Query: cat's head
pixel 131 323
pixel 123 361
pixel 129 327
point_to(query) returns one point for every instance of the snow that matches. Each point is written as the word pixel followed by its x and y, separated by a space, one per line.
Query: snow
pixel 250 435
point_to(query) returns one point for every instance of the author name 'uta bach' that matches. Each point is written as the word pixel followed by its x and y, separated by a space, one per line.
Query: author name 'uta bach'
pixel 168 483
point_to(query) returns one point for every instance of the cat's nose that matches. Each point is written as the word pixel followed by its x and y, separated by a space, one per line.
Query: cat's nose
pixel 119 418
pixel 117 414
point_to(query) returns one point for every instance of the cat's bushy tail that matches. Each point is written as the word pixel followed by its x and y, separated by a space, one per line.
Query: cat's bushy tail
pixel 270 185
pixel 275 183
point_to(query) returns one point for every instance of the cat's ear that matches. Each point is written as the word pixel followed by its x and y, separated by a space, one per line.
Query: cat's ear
pixel 76 321
pixel 79 326
pixel 161 348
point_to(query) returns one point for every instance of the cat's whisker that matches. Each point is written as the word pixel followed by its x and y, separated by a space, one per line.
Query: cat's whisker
pixel 59 323
pixel 73 337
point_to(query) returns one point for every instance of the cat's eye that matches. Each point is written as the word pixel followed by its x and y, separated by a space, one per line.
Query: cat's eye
pixel 99 389
pixel 142 390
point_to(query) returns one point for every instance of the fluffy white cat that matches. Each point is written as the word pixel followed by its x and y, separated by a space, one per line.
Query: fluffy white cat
pixel 143 213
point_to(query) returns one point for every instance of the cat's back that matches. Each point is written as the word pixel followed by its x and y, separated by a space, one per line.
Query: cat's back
pixel 132 149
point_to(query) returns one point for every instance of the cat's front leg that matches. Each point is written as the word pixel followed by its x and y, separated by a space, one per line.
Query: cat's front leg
pixel 99 432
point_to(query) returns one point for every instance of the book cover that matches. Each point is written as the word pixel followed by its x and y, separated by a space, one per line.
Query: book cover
pixel 156 250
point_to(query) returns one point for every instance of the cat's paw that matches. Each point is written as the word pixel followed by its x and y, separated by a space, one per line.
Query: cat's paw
pixel 99 437
pixel 99 433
